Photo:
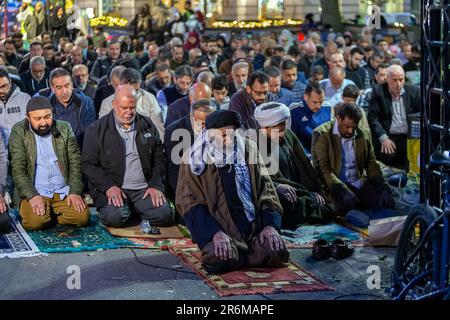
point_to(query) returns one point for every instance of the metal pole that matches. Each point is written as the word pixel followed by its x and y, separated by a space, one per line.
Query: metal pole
pixel 5 17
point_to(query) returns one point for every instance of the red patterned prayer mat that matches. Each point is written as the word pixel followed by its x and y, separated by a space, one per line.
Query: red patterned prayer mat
pixel 161 244
pixel 253 280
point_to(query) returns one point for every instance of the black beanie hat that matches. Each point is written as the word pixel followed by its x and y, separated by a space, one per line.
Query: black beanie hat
pixel 223 118
pixel 38 103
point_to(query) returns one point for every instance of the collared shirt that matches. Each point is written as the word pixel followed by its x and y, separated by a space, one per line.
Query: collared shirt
pixel 213 63
pixel 48 179
pixel 399 123
pixel 134 178
pixel 68 114
pixel 349 169
pixel 333 95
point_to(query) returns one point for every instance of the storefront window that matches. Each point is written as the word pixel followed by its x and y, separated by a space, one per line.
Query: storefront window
pixel 109 6
pixel 271 9
pixel 214 9
pixel 387 6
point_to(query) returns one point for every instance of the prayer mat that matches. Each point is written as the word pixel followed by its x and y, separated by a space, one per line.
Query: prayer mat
pixel 73 239
pixel 161 244
pixel 134 231
pixel 177 236
pixel 305 236
pixel 253 280
pixel 17 243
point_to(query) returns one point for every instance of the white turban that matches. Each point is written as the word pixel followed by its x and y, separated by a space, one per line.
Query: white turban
pixel 270 114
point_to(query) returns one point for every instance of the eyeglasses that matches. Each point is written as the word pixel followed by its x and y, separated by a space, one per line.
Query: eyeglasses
pixel 260 93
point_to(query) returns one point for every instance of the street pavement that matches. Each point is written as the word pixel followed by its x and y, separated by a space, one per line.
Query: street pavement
pixel 117 275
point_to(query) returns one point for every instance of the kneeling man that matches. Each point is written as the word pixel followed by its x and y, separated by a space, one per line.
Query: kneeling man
pixel 344 159
pixel 125 164
pixel 228 201
pixel 297 186
pixel 46 169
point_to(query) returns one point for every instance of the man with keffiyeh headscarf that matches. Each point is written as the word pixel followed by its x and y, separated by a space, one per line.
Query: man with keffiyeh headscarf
pixel 299 190
pixel 228 201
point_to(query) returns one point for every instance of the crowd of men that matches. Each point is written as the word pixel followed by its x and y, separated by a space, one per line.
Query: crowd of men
pixel 107 119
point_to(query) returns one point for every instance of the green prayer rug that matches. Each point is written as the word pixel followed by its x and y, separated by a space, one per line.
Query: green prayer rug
pixel 73 239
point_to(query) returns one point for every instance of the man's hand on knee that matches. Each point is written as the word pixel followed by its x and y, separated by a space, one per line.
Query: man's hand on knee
pixel 388 146
pixel 3 206
pixel 271 235
pixel 222 246
pixel 37 204
pixel 157 197
pixel 287 192
pixel 115 196
pixel 77 202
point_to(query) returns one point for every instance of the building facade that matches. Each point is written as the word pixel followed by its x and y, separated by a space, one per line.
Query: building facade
pixel 230 10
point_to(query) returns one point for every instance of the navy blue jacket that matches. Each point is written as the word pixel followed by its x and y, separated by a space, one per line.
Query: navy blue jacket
pixel 178 110
pixel 80 113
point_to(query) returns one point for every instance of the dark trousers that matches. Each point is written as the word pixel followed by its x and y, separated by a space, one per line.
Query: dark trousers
pixel 113 216
pixel 369 196
pixel 399 159
pixel 305 210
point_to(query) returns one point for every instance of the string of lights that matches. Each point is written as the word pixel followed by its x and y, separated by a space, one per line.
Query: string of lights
pixel 255 24
pixel 109 21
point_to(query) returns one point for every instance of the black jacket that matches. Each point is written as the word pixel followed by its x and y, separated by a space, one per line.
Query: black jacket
pixel 14 60
pixel 100 68
pixel 90 91
pixel 31 86
pixel 380 107
pixel 304 65
pixel 24 65
pixel 183 123
pixel 102 93
pixel 103 156
pixel 153 86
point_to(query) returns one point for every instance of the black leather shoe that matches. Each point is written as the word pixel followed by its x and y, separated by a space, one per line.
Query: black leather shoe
pixel 321 249
pixel 340 249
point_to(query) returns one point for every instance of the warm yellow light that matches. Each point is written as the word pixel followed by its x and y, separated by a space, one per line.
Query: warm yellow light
pixel 108 21
pixel 256 24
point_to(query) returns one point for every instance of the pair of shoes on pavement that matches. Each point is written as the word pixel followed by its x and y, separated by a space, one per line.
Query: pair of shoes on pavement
pixel 338 249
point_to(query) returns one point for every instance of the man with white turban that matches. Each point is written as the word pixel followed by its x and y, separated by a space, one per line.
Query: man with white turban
pixel 299 191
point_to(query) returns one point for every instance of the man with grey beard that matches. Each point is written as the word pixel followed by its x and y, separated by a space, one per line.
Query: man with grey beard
pixel 239 76
pixel 80 77
pixel 36 78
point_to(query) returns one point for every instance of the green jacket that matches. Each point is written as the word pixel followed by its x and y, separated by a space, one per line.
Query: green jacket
pixel 327 152
pixel 22 148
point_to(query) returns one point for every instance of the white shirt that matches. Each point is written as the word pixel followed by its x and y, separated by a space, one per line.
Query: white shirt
pixel 349 168
pixel 399 123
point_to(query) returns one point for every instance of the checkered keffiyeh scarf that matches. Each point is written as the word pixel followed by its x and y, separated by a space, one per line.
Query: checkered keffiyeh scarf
pixel 205 152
